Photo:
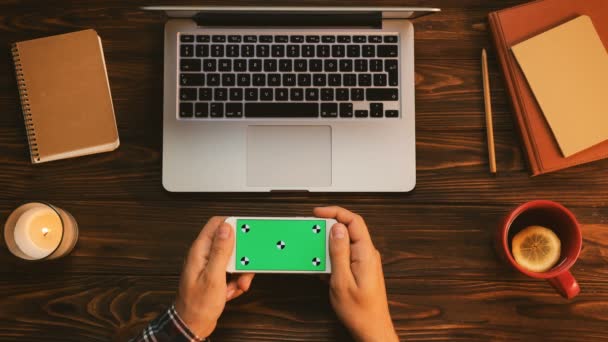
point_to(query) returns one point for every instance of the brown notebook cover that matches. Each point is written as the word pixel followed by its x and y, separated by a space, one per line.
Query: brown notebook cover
pixel 65 96
pixel 514 25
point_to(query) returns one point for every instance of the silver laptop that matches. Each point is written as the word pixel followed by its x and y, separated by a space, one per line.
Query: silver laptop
pixel 261 99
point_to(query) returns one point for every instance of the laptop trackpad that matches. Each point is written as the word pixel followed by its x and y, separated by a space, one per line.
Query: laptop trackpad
pixel 292 157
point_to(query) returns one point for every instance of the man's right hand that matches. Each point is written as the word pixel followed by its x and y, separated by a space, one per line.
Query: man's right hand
pixel 357 290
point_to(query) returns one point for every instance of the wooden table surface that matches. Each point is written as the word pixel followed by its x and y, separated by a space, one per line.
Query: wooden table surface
pixel 443 279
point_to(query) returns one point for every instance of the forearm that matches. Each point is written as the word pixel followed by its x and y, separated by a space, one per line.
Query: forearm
pixel 167 327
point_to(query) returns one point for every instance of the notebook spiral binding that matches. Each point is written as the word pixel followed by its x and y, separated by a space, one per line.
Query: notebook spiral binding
pixel 25 105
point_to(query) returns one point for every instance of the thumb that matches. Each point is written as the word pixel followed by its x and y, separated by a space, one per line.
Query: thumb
pixel 221 250
pixel 339 252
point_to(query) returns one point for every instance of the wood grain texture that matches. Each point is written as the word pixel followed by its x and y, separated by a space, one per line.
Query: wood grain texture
pixel 443 279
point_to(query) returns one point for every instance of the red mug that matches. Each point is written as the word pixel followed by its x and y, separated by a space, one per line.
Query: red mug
pixel 557 218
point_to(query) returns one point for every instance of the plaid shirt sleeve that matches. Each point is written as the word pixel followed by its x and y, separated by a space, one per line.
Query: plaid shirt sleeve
pixel 168 327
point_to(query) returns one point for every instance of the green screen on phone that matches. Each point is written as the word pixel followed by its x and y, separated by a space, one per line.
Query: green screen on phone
pixel 280 245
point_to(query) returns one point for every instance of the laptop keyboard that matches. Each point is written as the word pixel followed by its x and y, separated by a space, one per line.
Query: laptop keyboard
pixel 232 76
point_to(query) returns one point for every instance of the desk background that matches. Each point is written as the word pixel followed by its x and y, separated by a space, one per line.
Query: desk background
pixel 443 280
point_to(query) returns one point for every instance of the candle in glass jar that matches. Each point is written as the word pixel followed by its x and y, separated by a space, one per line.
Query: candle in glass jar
pixel 38 232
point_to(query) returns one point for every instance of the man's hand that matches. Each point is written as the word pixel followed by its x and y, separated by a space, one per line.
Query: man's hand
pixel 357 290
pixel 203 291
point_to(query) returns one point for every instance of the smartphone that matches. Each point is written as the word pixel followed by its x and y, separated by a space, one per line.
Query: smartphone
pixel 280 245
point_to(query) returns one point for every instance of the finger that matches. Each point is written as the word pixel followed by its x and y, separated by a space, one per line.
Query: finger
pixel 339 252
pixel 199 251
pixel 221 249
pixel 244 281
pixel 237 287
pixel 357 229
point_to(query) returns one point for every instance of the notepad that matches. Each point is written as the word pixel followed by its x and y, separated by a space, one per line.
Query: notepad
pixel 65 96
pixel 567 70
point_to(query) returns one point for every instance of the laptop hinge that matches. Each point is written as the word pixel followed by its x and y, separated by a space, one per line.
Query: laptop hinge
pixel 271 19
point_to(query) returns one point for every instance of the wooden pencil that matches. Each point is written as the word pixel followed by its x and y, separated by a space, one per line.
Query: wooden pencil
pixel 488 104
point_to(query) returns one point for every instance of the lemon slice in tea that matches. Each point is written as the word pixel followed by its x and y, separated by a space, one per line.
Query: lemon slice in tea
pixel 536 248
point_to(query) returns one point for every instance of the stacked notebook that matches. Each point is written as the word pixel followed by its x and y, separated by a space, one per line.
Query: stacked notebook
pixel 553 55
pixel 65 96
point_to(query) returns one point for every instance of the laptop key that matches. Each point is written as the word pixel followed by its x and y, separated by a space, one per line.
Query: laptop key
pixel 327 94
pixel 365 80
pixel 293 50
pixel 357 94
pixel 329 110
pixel 281 39
pixel 204 94
pixel 361 65
pixel 208 64
pixel 304 80
pixel 186 50
pixel 234 110
pixel 343 39
pixel 375 39
pixel 353 51
pixel 300 65
pixel 368 51
pixel 262 50
pixel 312 94
pixel 202 50
pixel 349 80
pixel 255 65
pixel 315 65
pixel 375 65
pixel 281 94
pixel 186 110
pixel 346 65
pixel 266 94
pixel 213 79
pixel 251 94
pixel 218 38
pixel 217 50
pixel 250 39
pixel 190 65
pixel 322 50
pixel 192 79
pixel 232 50
pixel 220 94
pixel 342 94
pixel 285 65
pixel 313 39
pixel 236 94
pixel 274 80
pixel 243 80
pixel 289 80
pixel 379 80
pixel 234 39
pixel 278 51
pixel 308 50
pixel 228 80
pixel 390 39
pixel 328 39
pixel 382 94
pixel 319 80
pixel 334 80
pixel 224 65
pixel 296 94
pixel 258 80
pixel 216 110
pixel 391 113
pixel 376 110
pixel 391 66
pixel 270 65
pixel 240 65
pixel 297 39
pixel 187 94
pixel 201 110
pixel 359 39
pixel 281 110
pixel 361 113
pixel 203 38
pixel 247 50
pixel 331 65
pixel 266 39
pixel 338 50
pixel 387 50
pixel 186 38
pixel 346 110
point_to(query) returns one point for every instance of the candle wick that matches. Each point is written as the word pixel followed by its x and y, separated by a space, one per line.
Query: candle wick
pixel 45 231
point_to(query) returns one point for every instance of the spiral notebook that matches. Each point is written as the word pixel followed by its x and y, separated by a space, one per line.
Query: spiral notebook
pixel 65 96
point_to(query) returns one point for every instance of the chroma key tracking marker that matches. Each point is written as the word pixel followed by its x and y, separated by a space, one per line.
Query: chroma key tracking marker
pixel 280 245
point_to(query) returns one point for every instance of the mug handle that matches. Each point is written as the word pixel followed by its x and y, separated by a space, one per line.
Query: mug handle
pixel 565 285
